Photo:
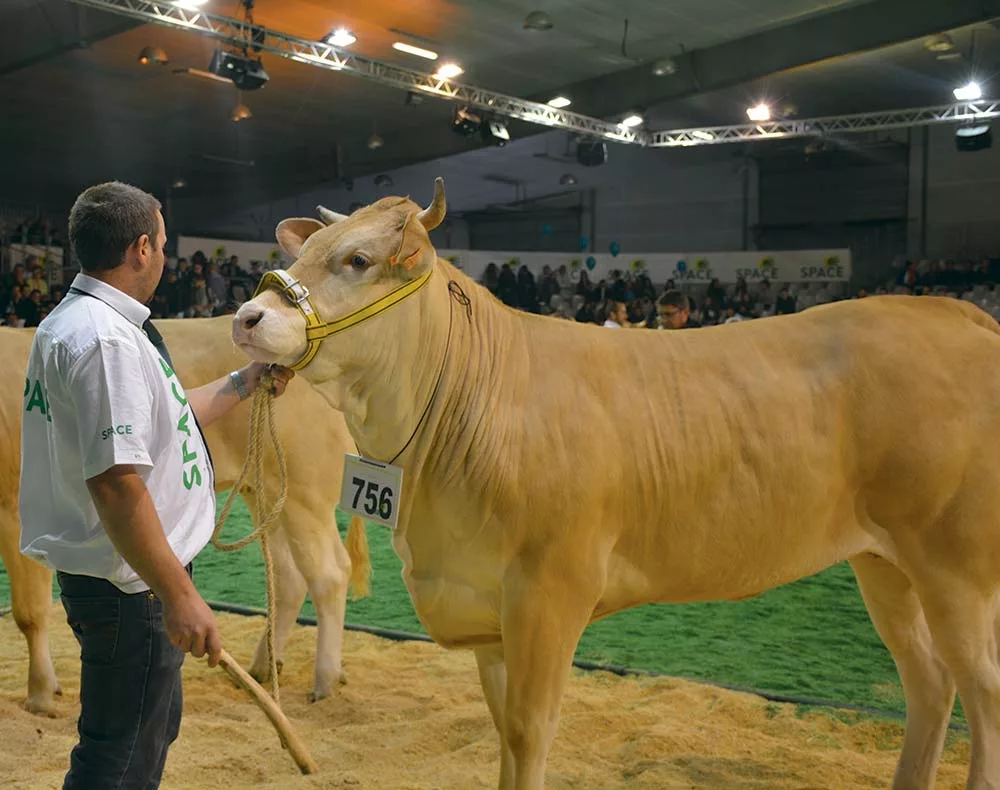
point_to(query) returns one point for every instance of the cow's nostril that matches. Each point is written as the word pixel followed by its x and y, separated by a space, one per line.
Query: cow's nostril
pixel 252 320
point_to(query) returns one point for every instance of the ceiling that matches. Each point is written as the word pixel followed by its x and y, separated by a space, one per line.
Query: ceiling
pixel 81 108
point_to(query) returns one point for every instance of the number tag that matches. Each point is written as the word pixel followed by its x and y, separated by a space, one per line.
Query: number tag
pixel 371 489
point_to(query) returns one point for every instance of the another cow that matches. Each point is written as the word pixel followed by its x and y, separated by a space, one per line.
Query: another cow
pixel 556 473
pixel 308 553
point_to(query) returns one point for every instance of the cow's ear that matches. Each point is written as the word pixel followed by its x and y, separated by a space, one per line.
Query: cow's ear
pixel 292 233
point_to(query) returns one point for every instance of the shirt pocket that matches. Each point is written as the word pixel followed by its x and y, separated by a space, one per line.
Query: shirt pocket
pixel 96 623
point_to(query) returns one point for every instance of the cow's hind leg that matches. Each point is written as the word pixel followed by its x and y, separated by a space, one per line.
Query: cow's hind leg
pixel 290 592
pixel 493 676
pixel 927 684
pixel 31 601
pixel 961 619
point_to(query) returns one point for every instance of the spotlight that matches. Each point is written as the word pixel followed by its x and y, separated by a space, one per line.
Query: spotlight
pixel 568 180
pixel 247 74
pixel 971 91
pixel 383 181
pixel 153 55
pixel 631 121
pixel 341 37
pixel 375 142
pixel 537 20
pixel 241 113
pixel 973 138
pixel 178 183
pixel 701 134
pixel 665 67
pixel 190 5
pixel 759 112
pixel 591 153
pixel 419 52
pixel 447 71
pixel 495 132
pixel 559 102
pixel 465 122
pixel 413 99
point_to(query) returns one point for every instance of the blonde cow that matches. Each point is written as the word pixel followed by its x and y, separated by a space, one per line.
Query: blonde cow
pixel 555 473
pixel 309 555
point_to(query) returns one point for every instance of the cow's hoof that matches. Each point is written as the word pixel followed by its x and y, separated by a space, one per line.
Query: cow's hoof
pixel 42 704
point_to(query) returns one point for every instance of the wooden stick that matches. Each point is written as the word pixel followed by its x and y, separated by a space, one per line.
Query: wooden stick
pixel 289 739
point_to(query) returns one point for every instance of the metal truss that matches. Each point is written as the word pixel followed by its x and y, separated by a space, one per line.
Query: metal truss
pixel 239 33
pixel 821 127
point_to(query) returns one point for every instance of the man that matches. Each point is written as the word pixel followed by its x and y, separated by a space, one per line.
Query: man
pixel 785 304
pixel 674 309
pixel 117 489
pixel 617 316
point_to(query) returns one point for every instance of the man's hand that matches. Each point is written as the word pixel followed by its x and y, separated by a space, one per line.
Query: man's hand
pixel 192 628
pixel 252 374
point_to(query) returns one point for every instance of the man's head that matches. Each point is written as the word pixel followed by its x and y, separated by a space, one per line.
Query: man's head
pixel 116 227
pixel 618 313
pixel 19 273
pixel 36 296
pixel 674 309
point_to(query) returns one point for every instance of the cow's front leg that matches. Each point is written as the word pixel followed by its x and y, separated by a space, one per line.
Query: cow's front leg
pixel 493 677
pixel 544 614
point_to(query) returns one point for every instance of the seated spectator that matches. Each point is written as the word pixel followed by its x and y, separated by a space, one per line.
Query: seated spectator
pixel 674 309
pixel 37 281
pixel 617 316
pixel 215 280
pixel 785 303
pixel 56 295
pixel 585 315
pixel 30 309
pixel 717 293
pixel 491 278
pixel 710 312
pixel 527 295
pixel 507 286
pixel 12 320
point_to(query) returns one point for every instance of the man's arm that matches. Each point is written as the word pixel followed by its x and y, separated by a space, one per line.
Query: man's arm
pixel 129 517
pixel 211 401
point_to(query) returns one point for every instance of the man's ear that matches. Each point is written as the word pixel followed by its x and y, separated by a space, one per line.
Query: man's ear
pixel 292 233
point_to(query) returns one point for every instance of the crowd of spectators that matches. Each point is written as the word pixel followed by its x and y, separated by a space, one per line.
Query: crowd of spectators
pixel 626 298
pixel 202 287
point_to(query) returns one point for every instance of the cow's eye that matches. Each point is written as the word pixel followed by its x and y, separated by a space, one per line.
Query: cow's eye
pixel 359 262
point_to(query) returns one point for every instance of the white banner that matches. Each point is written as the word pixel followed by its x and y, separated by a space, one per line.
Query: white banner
pixel 684 268
pixel 269 254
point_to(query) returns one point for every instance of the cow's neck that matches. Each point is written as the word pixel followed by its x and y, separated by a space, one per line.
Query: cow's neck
pixel 383 399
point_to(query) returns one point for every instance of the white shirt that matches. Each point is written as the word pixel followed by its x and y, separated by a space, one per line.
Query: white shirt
pixel 612 324
pixel 97 395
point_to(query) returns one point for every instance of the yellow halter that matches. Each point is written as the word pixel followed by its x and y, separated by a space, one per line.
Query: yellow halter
pixel 318 330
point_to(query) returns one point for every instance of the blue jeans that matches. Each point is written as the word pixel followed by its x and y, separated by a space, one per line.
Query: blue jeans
pixel 130 686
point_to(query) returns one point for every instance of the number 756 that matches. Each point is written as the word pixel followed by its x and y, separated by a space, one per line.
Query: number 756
pixel 378 499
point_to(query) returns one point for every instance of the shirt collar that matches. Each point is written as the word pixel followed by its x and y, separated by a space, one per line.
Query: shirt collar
pixel 121 302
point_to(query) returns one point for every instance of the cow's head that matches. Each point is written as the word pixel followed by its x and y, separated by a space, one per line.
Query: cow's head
pixel 331 308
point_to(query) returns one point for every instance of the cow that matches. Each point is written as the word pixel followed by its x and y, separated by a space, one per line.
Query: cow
pixel 308 553
pixel 556 473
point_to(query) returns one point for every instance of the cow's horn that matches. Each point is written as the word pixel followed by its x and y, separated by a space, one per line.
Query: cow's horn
pixel 433 215
pixel 329 217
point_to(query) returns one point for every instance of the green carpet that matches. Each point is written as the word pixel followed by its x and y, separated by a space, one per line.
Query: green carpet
pixel 811 638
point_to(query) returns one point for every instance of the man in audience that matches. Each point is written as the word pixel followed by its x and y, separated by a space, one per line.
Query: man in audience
pixel 674 309
pixel 785 303
pixel 37 281
pixel 617 316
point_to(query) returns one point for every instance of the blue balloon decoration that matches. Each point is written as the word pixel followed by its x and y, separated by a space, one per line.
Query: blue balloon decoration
pixel 546 230
pixel 682 266
pixel 591 262
pixel 615 248
pixel 584 243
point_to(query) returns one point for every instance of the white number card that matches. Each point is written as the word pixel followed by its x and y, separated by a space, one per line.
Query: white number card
pixel 371 489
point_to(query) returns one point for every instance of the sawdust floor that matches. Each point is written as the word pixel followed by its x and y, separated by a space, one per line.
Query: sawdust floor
pixel 412 717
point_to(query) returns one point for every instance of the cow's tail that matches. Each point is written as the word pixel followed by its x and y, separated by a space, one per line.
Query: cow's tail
pixel 361 564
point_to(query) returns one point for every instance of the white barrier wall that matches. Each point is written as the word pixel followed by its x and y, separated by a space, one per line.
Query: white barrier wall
pixel 685 268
